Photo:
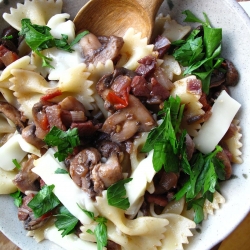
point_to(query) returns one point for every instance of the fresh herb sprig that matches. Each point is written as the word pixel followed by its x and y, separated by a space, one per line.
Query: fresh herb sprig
pixel 100 231
pixel 38 38
pixel 17 165
pixel 18 198
pixel 206 171
pixel 44 201
pixel 116 194
pixel 65 221
pixel 163 139
pixel 65 141
pixel 200 52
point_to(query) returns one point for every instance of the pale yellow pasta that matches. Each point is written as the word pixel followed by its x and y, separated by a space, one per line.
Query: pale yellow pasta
pixel 136 156
pixel 96 72
pixel 5 127
pixel 177 233
pixel 38 11
pixel 210 207
pixel 192 105
pixel 9 97
pixel 173 30
pixel 234 144
pixel 134 48
pixel 6 182
pixel 28 87
pixel 171 67
pixel 75 82
pixel 138 226
pixel 61 60
pixel 21 63
pixel 174 207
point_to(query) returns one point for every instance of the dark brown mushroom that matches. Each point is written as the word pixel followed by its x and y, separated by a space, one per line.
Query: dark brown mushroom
pixel 29 135
pixel 101 49
pixel 26 180
pixel 126 122
pixel 14 115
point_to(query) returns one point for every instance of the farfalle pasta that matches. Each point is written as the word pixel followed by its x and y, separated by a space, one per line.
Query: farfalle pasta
pixel 100 136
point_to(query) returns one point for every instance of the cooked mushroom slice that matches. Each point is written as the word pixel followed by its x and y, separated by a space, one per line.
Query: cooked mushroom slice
pixel 26 180
pixel 124 123
pixel 94 53
pixel 225 160
pixel 105 174
pixel 82 163
pixel 232 75
pixel 29 135
pixel 26 215
pixel 13 114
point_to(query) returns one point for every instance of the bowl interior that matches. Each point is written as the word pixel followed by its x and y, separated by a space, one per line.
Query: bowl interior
pixel 236 34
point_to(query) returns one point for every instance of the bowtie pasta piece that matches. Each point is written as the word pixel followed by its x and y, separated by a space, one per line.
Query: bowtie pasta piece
pixel 38 11
pixel 234 144
pixel 133 49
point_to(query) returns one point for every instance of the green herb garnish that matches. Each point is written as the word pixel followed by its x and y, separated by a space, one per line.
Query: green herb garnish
pixel 65 141
pixel 39 38
pixel 163 139
pixel 65 221
pixel 206 171
pixel 61 171
pixel 200 52
pixel 100 231
pixel 116 194
pixel 44 201
pixel 18 198
pixel 18 166
pixel 7 37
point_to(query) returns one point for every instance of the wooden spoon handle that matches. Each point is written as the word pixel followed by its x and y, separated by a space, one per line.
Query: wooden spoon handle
pixel 151 6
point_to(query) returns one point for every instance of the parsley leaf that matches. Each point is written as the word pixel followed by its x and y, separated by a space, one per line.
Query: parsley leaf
pixel 65 141
pixel 65 221
pixel 100 231
pixel 18 198
pixel 163 139
pixel 39 38
pixel 116 194
pixel 206 171
pixel 200 52
pixel 44 201
pixel 18 166
pixel 61 171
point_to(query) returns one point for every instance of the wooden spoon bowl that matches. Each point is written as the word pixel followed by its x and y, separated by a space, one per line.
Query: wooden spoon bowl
pixel 114 17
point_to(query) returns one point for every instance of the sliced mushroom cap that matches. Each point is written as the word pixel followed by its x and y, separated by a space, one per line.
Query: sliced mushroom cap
pixel 14 115
pixel 82 163
pixel 124 123
pixel 29 135
pixel 109 49
pixel 26 180
pixel 105 174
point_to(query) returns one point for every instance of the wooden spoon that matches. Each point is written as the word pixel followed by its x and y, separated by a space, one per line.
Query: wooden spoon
pixel 114 17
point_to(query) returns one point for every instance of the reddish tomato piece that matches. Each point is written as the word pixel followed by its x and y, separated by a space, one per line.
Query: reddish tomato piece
pixel 117 101
pixel 51 95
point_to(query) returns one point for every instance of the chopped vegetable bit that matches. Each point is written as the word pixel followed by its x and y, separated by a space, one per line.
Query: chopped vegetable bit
pixel 65 221
pixel 61 171
pixel 116 194
pixel 100 231
pixel 44 201
pixel 163 140
pixel 39 38
pixel 200 52
pixel 65 141
pixel 18 198
pixel 206 171
pixel 18 166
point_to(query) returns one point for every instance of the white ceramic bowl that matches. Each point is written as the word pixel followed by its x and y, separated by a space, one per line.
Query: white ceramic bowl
pixel 236 32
